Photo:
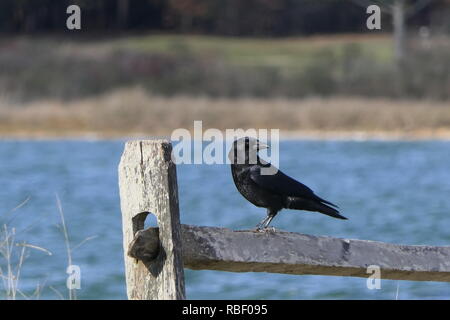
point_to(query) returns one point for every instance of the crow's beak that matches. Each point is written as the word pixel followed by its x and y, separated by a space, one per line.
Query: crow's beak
pixel 262 146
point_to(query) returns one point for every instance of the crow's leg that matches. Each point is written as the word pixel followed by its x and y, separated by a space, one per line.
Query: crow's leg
pixel 266 225
pixel 260 225
pixel 271 213
pixel 266 221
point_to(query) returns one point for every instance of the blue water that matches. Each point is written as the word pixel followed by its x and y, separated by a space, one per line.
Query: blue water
pixel 390 191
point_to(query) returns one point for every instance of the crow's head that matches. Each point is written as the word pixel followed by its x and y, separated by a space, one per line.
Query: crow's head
pixel 245 150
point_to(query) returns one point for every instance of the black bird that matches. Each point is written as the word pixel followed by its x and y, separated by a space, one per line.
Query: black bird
pixel 275 191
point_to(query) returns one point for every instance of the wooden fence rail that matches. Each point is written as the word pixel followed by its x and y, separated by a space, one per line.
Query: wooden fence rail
pixel 155 258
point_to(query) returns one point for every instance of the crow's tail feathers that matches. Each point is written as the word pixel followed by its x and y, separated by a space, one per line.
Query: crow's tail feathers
pixel 313 205
pixel 326 202
pixel 329 211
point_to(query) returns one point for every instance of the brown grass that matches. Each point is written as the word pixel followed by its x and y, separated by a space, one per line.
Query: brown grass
pixel 134 111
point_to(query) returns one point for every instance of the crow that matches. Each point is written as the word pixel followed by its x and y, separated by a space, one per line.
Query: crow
pixel 274 192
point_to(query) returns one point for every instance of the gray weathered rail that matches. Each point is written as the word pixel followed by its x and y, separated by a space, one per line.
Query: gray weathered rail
pixel 208 248
pixel 155 258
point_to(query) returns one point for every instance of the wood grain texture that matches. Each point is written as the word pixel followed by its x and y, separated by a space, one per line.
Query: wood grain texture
pixel 148 184
pixel 209 248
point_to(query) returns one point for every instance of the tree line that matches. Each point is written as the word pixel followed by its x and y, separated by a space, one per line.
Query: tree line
pixel 216 17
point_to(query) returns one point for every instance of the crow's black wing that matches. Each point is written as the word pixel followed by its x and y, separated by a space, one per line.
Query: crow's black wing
pixel 279 183
pixel 282 184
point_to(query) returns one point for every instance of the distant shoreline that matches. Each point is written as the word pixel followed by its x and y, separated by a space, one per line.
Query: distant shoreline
pixel 135 113
pixel 418 135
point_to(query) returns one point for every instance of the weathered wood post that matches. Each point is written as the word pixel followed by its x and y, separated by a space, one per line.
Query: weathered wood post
pixel 148 184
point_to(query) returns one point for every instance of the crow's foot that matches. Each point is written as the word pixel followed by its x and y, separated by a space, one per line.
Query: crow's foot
pixel 266 229
pixel 270 229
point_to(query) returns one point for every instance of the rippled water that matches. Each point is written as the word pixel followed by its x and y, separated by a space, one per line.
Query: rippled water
pixel 390 191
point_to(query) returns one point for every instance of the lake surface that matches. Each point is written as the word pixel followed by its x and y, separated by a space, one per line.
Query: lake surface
pixel 391 191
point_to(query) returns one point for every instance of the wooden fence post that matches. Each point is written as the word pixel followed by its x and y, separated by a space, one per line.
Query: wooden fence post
pixel 148 184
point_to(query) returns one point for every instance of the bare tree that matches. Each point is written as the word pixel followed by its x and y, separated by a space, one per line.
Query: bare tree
pixel 399 25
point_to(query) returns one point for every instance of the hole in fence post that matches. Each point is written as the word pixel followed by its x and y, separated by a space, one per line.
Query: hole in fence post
pixel 144 220
pixel 147 250
pixel 150 221
pixel 139 221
